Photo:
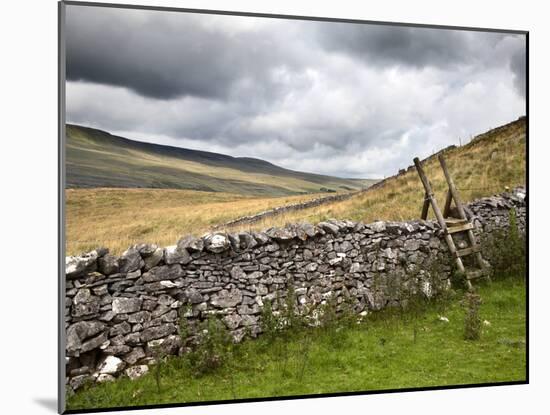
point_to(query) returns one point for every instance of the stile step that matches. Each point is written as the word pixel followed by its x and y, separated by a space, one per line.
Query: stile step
pixel 460 228
pixel 471 275
pixel 467 251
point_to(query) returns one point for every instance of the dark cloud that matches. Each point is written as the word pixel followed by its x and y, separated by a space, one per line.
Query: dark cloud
pixel 518 65
pixel 416 47
pixel 166 55
pixel 339 99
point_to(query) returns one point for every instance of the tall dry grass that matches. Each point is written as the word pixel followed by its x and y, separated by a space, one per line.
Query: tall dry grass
pixel 118 218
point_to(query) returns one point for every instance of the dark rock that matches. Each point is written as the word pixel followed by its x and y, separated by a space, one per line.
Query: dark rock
pixel 117 350
pixel 191 244
pixel 93 343
pixel 79 381
pixel 167 346
pixel 226 299
pixel 130 261
pixel 176 255
pixel 120 329
pixel 78 332
pixel 164 272
pixel 193 296
pixel 83 310
pixel 108 264
pixel 134 356
pixel 153 259
pixel 139 317
pixel 158 332
pixel 305 230
pixel 261 238
pixel 329 227
pixel 246 241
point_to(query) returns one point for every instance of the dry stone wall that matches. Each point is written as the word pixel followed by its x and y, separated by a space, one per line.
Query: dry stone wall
pixel 290 208
pixel 120 308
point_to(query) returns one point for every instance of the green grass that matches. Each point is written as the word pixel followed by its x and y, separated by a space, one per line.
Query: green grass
pixel 380 353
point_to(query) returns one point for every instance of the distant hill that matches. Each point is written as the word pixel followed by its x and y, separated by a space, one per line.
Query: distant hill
pixel 95 158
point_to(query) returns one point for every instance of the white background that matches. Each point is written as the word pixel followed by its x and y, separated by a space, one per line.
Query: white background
pixel 28 227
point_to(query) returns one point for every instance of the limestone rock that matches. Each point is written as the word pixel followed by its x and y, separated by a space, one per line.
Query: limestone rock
pixel 146 250
pixel 175 255
pixel 226 299
pixel 139 317
pixel 166 346
pixel 411 245
pixel 232 321
pixel 135 372
pixel 153 333
pixel 104 377
pixel 329 227
pixel 77 333
pixel 123 305
pixel 216 242
pixel 75 266
pixel 237 272
pixel 130 261
pixel 280 234
pixel 153 259
pixel 108 264
pixel 193 296
pixel 305 230
pixel 93 343
pixel 111 365
pixel 134 356
pixel 261 238
pixel 378 226
pixel 164 272
pixel 191 244
pixel 78 382
pixel 246 241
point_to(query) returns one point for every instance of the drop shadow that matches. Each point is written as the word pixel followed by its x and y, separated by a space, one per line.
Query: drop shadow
pixel 48 403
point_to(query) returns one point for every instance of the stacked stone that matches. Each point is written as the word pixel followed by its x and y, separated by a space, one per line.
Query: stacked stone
pixel 289 208
pixel 120 310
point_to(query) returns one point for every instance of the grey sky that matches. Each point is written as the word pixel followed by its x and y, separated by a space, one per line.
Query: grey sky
pixel 350 100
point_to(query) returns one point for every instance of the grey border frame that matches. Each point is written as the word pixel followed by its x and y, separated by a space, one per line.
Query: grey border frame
pixel 61 389
pixel 61 284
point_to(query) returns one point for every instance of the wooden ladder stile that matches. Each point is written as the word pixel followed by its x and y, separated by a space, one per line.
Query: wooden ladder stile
pixel 451 226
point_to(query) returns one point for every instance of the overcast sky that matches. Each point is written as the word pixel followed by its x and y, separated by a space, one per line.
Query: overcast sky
pixel 350 100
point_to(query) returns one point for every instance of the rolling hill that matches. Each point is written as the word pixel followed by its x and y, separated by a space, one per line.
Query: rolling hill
pixel 118 218
pixel 95 159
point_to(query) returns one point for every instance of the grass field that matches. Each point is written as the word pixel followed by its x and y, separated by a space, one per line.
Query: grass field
pixel 485 166
pixel 380 353
pixel 118 218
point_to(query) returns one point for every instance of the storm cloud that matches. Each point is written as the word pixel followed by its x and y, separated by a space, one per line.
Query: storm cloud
pixel 350 100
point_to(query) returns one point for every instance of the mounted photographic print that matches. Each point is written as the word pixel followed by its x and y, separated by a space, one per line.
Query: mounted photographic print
pixel 259 207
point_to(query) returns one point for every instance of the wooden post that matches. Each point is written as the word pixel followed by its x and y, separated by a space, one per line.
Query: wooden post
pixel 447 206
pixel 454 192
pixel 439 217
pixel 425 207
pixel 452 188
